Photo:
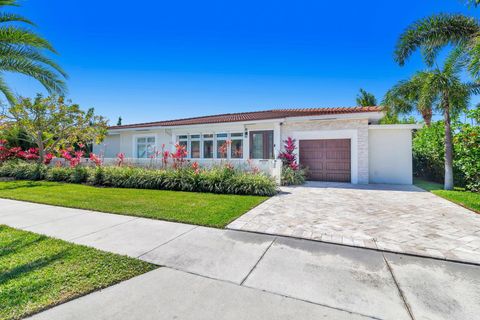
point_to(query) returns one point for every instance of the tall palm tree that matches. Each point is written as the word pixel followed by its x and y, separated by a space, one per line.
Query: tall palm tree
pixel 404 98
pixel 366 99
pixel 22 51
pixel 441 89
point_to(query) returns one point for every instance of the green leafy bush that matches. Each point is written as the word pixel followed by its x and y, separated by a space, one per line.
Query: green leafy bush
pixel 467 153
pixel 429 153
pixel 293 177
pixel 23 170
pixel 60 174
pixel 215 180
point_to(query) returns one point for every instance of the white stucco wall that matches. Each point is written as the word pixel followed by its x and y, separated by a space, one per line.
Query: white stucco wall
pixel 109 147
pixel 390 156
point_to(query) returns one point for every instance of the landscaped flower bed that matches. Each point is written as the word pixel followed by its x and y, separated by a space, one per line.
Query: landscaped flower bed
pixel 222 179
pixel 176 173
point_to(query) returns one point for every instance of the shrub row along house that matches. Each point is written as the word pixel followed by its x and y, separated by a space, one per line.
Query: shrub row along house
pixel 335 144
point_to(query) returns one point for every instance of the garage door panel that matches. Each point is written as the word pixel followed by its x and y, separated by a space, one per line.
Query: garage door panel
pixel 337 166
pixel 326 159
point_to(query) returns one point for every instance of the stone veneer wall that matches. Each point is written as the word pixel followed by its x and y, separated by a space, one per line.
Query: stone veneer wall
pixel 361 125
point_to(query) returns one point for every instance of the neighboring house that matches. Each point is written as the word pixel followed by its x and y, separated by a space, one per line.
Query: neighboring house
pixel 336 144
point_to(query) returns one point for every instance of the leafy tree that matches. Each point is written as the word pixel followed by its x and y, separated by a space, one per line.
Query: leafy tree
pixel 392 118
pixel 53 124
pixel 366 99
pixel 16 137
pixel 22 51
pixel 119 121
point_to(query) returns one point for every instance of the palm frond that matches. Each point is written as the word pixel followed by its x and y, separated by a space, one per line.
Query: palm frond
pixel 474 55
pixel 14 52
pixel 8 3
pixel 46 77
pixel 7 92
pixel 20 36
pixel 366 99
pixel 455 61
pixel 11 17
pixel 432 33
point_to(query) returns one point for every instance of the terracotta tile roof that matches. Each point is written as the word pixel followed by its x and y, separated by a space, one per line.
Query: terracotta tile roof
pixel 251 116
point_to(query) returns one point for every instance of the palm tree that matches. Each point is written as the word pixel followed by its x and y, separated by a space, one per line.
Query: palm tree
pixel 404 98
pixel 22 51
pixel 366 99
pixel 440 89
pixel 431 34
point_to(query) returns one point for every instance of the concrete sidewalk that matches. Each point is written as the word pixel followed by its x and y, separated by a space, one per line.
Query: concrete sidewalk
pixel 212 273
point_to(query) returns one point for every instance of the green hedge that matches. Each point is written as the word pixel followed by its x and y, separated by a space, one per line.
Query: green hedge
pixel 215 180
pixel 429 153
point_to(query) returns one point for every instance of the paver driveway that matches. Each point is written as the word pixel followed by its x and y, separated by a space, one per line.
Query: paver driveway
pixel 403 219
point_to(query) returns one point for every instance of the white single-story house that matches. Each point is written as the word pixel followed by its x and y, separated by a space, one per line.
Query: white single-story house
pixel 336 144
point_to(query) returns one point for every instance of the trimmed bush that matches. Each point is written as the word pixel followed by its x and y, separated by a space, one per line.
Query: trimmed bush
pixel 293 177
pixel 22 170
pixel 60 174
pixel 215 180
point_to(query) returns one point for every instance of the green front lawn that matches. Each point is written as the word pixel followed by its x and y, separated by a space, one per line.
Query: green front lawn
pixel 38 272
pixel 467 199
pixel 214 210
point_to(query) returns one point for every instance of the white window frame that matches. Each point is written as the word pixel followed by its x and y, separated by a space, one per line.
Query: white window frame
pixel 146 136
pixel 178 140
pixel 190 139
pixel 215 143
pixel 203 139
pixel 240 137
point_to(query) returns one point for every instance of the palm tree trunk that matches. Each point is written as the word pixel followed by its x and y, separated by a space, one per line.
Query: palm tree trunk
pixel 448 150
pixel 427 116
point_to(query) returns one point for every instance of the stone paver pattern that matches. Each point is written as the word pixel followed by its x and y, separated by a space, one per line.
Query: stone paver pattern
pixel 211 274
pixel 396 218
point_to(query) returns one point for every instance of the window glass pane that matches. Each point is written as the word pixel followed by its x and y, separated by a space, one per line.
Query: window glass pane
pixel 237 134
pixel 237 149
pixel 257 145
pixel 141 140
pixel 183 143
pixel 208 136
pixel 151 139
pixel 222 148
pixel 182 137
pixel 270 145
pixel 222 135
pixel 208 149
pixel 141 151
pixel 195 149
pixel 150 150
pixel 195 136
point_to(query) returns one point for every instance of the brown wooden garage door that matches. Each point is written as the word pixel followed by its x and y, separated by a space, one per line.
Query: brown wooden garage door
pixel 327 160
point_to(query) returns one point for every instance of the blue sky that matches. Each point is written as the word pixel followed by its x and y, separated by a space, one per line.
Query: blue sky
pixel 156 60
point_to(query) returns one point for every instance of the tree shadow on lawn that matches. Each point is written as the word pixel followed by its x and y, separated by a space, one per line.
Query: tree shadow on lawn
pixel 21 184
pixel 18 245
pixel 24 269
